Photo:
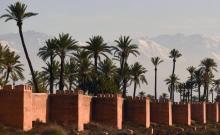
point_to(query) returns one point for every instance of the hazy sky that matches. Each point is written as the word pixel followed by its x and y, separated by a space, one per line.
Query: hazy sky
pixel 111 18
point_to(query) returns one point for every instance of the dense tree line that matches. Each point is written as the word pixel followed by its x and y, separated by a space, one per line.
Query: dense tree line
pixel 98 67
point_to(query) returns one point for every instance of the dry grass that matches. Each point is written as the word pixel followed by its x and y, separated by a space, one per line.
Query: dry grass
pixel 128 129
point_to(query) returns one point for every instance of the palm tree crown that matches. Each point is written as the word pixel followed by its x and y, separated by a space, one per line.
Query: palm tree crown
pixel 137 75
pixel 96 47
pixel 17 12
pixel 156 61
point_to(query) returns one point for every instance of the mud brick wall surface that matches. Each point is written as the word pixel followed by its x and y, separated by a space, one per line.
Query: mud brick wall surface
pixel 16 106
pixel 198 112
pixel 63 108
pixel 181 113
pixel 161 112
pixel 40 109
pixel 137 110
pixel 212 112
pixel 107 109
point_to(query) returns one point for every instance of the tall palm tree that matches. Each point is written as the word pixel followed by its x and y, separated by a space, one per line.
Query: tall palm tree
pixel 122 51
pixel 198 76
pixel 174 54
pixel 209 65
pixel 156 61
pixel 191 71
pixel 17 12
pixel 64 45
pixel 172 80
pixel 12 65
pixel 48 51
pixel 107 76
pixel 97 48
pixel 137 75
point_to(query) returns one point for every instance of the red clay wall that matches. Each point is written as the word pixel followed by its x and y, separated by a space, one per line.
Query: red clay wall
pixel 161 112
pixel 70 109
pixel 137 110
pixel 198 112
pixel 16 107
pixel 107 109
pixel 40 106
pixel 84 110
pixel 212 112
pixel 181 113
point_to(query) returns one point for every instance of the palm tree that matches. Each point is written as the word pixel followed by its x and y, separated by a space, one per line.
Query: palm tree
pixel 191 71
pixel 198 76
pixel 174 54
pixel 181 90
pixel 173 79
pixel 123 49
pixel 97 48
pixel 41 80
pixel 142 94
pixel 107 68
pixel 216 87
pixel 163 96
pixel 48 51
pixel 70 73
pixel 12 65
pixel 84 70
pixel 47 70
pixel 17 12
pixel 64 45
pixel 156 61
pixel 107 76
pixel 209 65
pixel 137 75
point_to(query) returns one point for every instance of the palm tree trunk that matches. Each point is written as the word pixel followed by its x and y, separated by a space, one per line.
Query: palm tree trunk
pixel 96 74
pixel 199 86
pixel 61 86
pixel 27 57
pixel 70 85
pixel 207 93
pixel 172 85
pixel 191 85
pixel 95 62
pixel 155 84
pixel 174 66
pixel 7 76
pixel 212 97
pixel 51 75
pixel 171 94
pixel 135 87
pixel 204 93
pixel 124 87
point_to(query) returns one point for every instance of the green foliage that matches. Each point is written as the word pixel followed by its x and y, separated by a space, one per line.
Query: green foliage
pixel 10 66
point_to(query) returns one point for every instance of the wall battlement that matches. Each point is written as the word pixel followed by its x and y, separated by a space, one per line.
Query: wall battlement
pixel 20 107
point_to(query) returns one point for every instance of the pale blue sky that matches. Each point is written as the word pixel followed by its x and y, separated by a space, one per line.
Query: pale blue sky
pixel 111 18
